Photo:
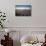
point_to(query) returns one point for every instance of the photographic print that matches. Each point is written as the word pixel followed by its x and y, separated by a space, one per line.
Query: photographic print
pixel 23 10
